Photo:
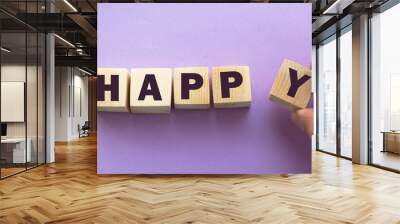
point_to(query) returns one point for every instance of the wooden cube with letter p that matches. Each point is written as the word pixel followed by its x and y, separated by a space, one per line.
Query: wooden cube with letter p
pixel 191 88
pixel 292 85
pixel 151 90
pixel 231 86
pixel 112 89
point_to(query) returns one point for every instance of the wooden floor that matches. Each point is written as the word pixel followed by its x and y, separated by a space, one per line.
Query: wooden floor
pixel 387 159
pixel 5 172
pixel 70 191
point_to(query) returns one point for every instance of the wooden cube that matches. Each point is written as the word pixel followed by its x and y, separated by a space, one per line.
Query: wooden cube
pixel 292 85
pixel 112 89
pixel 151 90
pixel 191 88
pixel 231 86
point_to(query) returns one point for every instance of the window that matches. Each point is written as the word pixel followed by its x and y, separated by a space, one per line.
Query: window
pixel 346 92
pixel 22 77
pixel 327 96
pixel 334 96
pixel 385 89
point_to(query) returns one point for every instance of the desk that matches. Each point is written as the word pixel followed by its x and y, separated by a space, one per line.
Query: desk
pixel 391 141
pixel 17 151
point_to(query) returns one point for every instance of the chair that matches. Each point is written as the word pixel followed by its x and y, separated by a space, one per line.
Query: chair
pixel 84 130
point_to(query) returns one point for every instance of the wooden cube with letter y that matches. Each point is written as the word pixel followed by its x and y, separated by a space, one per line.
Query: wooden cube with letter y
pixel 151 90
pixel 191 88
pixel 292 85
pixel 231 86
pixel 112 89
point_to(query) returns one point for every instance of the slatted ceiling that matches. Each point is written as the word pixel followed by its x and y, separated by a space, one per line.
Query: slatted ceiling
pixel 70 191
pixel 271 1
pixel 88 6
pixel 22 6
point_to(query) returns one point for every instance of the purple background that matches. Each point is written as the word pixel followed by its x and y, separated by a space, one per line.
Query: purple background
pixel 258 140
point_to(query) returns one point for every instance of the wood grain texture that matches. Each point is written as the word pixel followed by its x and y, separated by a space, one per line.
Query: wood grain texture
pixel 239 96
pixel 92 99
pixel 198 98
pixel 392 142
pixel 70 191
pixel 163 77
pixel 281 85
pixel 122 104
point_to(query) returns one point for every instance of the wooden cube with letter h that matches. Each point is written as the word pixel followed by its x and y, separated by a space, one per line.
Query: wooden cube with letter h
pixel 292 85
pixel 112 89
pixel 191 88
pixel 231 86
pixel 151 90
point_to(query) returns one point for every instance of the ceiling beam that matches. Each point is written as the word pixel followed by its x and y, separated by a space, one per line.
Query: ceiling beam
pixel 79 61
pixel 84 24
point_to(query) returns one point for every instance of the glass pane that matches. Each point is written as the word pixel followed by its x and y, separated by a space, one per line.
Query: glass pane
pixel 41 98
pixel 346 94
pixel 32 88
pixel 386 89
pixel 13 87
pixel 31 98
pixel 22 88
pixel 327 96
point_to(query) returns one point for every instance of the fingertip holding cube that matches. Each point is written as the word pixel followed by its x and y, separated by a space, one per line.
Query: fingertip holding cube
pixel 292 85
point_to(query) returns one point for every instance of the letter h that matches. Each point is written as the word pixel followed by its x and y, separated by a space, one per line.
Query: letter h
pixel 102 87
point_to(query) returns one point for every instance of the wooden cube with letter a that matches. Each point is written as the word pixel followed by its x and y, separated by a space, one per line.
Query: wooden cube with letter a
pixel 151 90
pixel 112 89
pixel 191 88
pixel 231 86
pixel 292 85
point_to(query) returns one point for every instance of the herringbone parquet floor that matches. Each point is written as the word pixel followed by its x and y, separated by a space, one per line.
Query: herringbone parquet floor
pixel 70 191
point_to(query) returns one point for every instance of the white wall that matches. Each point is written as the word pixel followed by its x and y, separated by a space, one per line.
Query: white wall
pixel 82 83
pixel 80 110
pixel 17 73
pixel 71 87
pixel 12 73
pixel 34 125
pixel 62 81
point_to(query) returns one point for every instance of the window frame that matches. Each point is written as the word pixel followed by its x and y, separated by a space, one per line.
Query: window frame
pixel 334 37
pixel 381 9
